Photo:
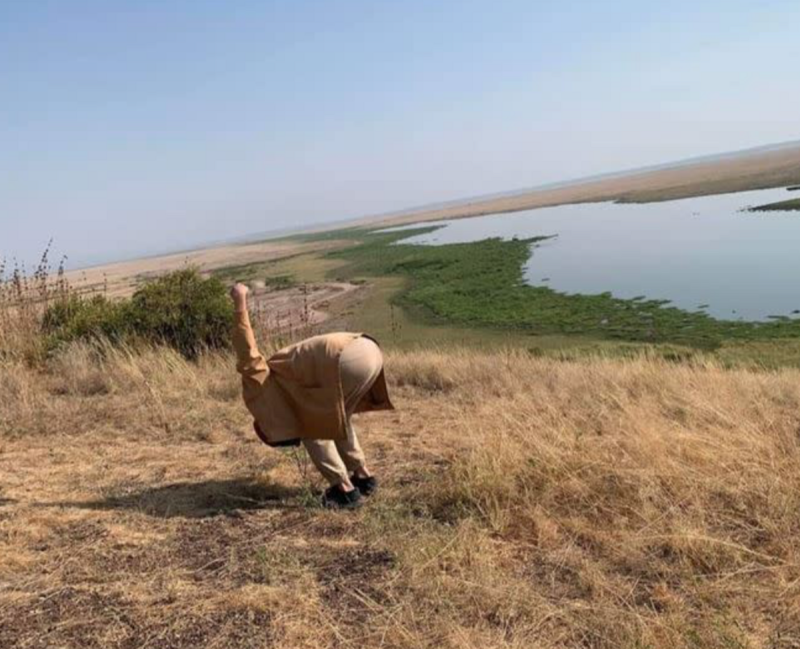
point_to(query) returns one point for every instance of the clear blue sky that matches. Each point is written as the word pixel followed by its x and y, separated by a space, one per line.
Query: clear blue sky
pixel 130 127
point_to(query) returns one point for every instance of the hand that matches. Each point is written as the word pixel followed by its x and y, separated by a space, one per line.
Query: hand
pixel 239 293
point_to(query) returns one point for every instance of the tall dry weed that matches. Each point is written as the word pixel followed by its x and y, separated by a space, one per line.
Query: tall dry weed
pixel 24 297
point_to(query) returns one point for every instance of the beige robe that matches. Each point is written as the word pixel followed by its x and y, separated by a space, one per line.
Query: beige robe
pixel 297 393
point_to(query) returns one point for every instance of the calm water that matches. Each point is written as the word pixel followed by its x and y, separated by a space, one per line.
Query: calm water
pixel 693 252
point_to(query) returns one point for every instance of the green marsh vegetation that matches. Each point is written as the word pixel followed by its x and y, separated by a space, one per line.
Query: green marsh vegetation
pixel 481 285
pixel 792 205
pixel 256 271
pixel 181 309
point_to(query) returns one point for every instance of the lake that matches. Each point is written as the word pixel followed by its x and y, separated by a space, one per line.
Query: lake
pixel 698 253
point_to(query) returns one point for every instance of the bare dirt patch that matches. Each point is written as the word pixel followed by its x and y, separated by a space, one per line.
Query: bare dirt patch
pixel 304 306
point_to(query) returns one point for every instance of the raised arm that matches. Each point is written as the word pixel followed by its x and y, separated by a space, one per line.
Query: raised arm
pixel 249 361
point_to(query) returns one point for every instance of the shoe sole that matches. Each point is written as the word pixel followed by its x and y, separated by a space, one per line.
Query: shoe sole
pixel 335 505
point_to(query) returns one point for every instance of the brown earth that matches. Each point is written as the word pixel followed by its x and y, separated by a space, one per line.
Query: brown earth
pixel 303 306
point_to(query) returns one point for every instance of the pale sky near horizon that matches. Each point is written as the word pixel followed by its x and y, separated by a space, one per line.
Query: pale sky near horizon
pixel 135 127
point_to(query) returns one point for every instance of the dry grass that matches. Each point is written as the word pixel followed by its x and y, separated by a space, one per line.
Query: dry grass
pixel 526 502
pixel 24 297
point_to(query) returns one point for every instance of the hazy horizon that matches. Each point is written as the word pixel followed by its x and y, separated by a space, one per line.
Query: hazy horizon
pixel 277 232
pixel 138 129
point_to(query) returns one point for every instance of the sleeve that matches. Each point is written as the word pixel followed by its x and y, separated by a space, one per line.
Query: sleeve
pixel 249 361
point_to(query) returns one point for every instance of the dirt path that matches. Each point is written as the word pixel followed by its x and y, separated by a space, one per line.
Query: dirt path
pixel 308 305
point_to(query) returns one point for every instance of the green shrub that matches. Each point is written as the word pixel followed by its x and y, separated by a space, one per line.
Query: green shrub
pixel 183 310
pixel 180 309
pixel 74 318
pixel 280 282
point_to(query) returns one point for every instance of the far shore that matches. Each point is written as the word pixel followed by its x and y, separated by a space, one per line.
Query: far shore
pixel 759 169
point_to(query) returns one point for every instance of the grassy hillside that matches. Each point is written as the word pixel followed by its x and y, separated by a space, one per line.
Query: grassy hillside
pixel 526 502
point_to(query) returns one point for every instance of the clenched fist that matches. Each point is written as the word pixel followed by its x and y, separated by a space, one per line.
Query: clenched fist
pixel 239 295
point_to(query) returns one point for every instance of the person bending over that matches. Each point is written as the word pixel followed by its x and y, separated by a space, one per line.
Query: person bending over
pixel 308 392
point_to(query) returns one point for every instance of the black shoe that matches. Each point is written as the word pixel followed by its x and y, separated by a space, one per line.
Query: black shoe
pixel 367 486
pixel 335 498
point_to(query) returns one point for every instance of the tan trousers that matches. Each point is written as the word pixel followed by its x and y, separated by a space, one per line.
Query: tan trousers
pixel 360 365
